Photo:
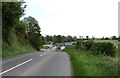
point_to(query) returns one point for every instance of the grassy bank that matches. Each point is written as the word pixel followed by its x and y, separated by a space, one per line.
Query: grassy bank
pixel 16 49
pixel 17 45
pixel 85 64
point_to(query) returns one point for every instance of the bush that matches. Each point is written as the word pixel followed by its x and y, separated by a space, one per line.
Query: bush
pixel 21 27
pixel 119 38
pixel 94 47
pixel 99 45
pixel 79 44
pixel 88 45
pixel 105 48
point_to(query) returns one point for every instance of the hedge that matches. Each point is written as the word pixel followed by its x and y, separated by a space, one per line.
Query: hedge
pixel 105 48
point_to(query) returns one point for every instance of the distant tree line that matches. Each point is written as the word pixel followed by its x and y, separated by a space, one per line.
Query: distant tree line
pixel 60 39
pixel 113 38
pixel 27 30
pixel 103 38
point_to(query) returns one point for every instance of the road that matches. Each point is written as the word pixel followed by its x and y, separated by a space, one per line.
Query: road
pixel 38 64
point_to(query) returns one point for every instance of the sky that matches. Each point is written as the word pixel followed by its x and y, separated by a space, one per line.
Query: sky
pixel 96 18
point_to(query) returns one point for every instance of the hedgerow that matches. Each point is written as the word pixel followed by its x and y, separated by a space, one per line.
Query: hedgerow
pixel 105 48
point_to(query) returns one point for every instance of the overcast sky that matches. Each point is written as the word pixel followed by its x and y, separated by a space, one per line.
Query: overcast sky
pixel 75 17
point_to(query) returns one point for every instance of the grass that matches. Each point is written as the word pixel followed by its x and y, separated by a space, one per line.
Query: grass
pixel 86 64
pixel 16 49
pixel 16 46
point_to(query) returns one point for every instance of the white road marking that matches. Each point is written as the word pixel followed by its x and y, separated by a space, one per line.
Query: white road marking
pixel 15 66
pixel 43 54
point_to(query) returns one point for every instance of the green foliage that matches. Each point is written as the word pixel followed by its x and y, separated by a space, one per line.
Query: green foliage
pixel 48 38
pixel 11 12
pixel 79 44
pixel 19 34
pixel 33 31
pixel 59 38
pixel 86 64
pixel 35 40
pixel 69 38
pixel 16 49
pixel 21 27
pixel 106 38
pixel 42 40
pixel 115 42
pixel 105 48
pixel 87 37
pixel 114 37
pixel 88 44
pixel 18 45
pixel 102 38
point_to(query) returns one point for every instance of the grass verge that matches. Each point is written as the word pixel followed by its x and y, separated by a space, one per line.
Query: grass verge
pixel 86 64
pixel 17 45
pixel 16 49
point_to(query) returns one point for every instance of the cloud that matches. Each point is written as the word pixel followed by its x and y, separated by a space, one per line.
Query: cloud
pixel 77 17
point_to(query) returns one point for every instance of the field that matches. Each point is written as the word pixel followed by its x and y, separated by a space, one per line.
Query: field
pixel 86 64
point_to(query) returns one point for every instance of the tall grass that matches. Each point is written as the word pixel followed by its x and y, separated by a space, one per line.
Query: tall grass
pixel 86 64
pixel 15 47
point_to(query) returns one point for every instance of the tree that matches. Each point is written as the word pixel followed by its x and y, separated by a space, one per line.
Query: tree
pixel 21 27
pixel 75 38
pixel 48 38
pixel 102 38
pixel 33 31
pixel 114 38
pixel 106 38
pixel 69 38
pixel 33 25
pixel 11 13
pixel 59 38
pixel 43 40
pixel 20 30
pixel 87 37
pixel 64 39
pixel 54 39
